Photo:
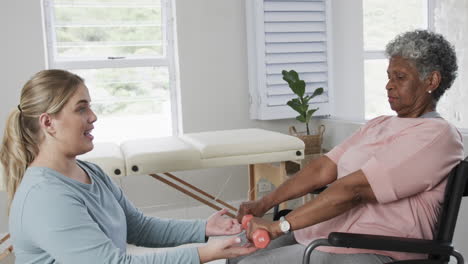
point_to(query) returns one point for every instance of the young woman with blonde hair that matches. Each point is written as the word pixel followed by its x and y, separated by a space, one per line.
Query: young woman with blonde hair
pixel 68 211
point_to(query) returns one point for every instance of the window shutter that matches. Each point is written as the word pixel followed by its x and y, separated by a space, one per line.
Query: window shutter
pixel 287 35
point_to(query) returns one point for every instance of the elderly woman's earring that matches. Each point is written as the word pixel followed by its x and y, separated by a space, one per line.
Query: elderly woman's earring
pixel 429 91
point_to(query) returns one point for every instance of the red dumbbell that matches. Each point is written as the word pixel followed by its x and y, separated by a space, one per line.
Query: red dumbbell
pixel 260 237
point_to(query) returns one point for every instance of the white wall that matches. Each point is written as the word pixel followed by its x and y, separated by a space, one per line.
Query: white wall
pixel 348 64
pixel 212 59
pixel 21 50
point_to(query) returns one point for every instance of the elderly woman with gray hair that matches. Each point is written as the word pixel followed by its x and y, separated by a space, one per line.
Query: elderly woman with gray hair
pixel 388 178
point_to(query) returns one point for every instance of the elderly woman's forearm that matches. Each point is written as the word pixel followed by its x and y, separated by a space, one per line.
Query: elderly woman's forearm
pixel 316 174
pixel 343 195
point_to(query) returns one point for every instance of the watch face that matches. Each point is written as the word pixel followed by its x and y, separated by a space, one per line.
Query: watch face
pixel 285 226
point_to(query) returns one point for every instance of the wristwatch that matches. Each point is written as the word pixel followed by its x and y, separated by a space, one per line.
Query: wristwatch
pixel 285 226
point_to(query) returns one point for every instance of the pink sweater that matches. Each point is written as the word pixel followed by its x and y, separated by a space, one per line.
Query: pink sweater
pixel 406 161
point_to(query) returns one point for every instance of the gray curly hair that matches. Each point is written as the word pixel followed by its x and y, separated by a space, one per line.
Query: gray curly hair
pixel 429 52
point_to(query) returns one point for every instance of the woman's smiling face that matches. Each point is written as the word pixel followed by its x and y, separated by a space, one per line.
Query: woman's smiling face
pixel 74 123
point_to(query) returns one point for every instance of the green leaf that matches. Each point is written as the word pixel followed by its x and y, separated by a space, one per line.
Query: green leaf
pixel 290 76
pixel 317 91
pixel 299 88
pixel 301 119
pixel 296 101
pixel 296 105
pixel 310 113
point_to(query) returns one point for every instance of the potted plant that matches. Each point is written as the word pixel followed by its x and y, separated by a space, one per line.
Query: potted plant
pixel 301 105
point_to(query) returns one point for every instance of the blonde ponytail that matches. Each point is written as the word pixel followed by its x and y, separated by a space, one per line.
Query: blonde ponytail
pixel 46 92
pixel 16 154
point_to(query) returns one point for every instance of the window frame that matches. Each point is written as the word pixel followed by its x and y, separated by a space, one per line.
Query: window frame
pixel 166 60
pixel 380 54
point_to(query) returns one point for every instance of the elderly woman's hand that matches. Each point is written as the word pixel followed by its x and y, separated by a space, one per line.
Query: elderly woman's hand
pixel 255 208
pixel 257 223
pixel 220 225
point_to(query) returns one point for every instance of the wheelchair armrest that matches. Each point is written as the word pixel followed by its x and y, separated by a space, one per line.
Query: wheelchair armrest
pixel 389 243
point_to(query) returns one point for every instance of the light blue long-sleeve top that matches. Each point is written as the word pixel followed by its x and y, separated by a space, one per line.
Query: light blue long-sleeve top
pixel 55 219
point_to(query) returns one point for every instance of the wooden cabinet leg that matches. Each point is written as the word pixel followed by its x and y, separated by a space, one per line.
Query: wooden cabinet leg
pixel 252 195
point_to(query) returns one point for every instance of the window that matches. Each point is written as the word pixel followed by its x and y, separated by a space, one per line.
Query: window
pixel 448 21
pixel 382 21
pixel 287 35
pixel 125 52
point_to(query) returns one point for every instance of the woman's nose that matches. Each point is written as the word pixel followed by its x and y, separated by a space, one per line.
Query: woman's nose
pixel 389 85
pixel 93 117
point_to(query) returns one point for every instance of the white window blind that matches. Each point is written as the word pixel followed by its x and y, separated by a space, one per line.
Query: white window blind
pixel 287 35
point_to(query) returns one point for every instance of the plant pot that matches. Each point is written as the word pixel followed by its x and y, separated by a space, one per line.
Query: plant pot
pixel 313 143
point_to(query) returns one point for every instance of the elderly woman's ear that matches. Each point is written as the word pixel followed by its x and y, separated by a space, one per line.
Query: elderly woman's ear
pixel 433 81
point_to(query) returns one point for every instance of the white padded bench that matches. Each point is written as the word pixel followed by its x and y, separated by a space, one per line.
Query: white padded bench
pixel 209 149
pixel 256 148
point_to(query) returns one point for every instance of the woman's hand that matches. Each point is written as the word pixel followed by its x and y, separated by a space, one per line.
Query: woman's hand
pixel 220 225
pixel 256 223
pixel 223 249
pixel 255 208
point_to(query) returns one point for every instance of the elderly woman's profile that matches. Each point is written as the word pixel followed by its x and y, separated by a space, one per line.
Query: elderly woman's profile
pixel 388 178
